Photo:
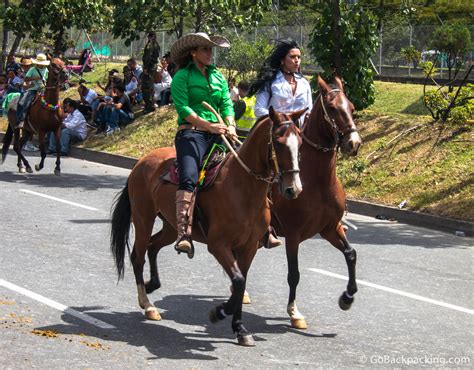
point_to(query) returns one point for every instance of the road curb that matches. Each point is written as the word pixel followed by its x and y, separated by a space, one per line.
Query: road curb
pixel 355 206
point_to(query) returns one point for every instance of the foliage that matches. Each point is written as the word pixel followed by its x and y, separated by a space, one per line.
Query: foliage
pixel 429 69
pixel 411 55
pixel 354 36
pixel 182 15
pixel 454 40
pixel 451 107
pixel 245 57
pixel 47 21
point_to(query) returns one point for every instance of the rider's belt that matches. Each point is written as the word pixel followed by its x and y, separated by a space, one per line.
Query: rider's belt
pixel 188 126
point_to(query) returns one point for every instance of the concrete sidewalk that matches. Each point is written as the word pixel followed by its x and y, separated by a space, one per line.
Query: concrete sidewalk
pixel 456 227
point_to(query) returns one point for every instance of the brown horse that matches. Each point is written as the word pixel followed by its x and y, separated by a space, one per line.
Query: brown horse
pixel 44 115
pixel 321 204
pixel 235 208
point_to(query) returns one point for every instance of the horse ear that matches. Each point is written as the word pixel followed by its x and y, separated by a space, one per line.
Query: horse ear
pixel 271 112
pixel 338 82
pixel 296 115
pixel 323 86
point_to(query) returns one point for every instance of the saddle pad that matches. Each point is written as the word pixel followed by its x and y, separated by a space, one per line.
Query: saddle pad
pixel 171 175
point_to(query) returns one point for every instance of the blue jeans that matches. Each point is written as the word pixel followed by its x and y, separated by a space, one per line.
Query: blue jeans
pixel 23 104
pixel 112 117
pixel 191 147
pixel 68 136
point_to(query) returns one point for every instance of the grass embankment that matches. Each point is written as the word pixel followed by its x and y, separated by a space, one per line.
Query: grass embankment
pixel 405 156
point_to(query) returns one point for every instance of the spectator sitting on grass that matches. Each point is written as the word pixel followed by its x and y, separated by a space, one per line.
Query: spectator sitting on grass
pixel 74 128
pixel 114 114
pixel 89 101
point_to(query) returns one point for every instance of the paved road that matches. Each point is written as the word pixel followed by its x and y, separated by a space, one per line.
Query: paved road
pixel 61 306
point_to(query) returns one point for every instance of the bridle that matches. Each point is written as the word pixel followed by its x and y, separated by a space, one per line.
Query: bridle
pixel 338 134
pixel 276 173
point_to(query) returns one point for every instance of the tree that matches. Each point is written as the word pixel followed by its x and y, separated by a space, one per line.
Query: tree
pixel 454 40
pixel 245 57
pixel 48 21
pixel 343 40
pixel 178 16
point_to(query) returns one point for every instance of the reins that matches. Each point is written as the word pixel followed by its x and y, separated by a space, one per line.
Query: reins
pixel 337 133
pixel 272 156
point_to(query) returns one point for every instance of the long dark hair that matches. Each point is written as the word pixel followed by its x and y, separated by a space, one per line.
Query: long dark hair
pixel 272 65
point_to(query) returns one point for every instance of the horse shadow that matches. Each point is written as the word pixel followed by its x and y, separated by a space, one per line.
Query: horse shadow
pixel 196 342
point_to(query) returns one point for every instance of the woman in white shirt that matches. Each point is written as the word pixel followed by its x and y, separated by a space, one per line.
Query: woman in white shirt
pixel 162 84
pixel 74 128
pixel 280 83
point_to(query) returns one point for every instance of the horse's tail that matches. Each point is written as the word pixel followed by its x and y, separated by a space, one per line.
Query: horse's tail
pixel 120 232
pixel 7 140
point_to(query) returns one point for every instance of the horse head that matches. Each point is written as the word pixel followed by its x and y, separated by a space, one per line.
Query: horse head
pixel 338 111
pixel 286 141
pixel 57 72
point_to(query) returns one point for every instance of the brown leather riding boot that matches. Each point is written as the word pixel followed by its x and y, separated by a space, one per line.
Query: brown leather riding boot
pixel 184 220
pixel 270 239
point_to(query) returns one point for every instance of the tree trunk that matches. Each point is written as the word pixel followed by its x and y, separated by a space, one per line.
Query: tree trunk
pixel 336 14
pixel 4 44
pixel 59 47
pixel 15 44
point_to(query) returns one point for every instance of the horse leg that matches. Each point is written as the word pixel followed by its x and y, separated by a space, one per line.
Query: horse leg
pixel 227 260
pixel 297 319
pixel 166 236
pixel 19 143
pixel 39 167
pixel 244 337
pixel 337 237
pixel 143 230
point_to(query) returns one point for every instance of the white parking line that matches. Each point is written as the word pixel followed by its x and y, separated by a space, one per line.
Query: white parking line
pixel 396 291
pixel 58 306
pixel 59 200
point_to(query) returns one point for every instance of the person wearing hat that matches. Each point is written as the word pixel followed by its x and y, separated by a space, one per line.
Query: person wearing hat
pixel 35 78
pixel 151 53
pixel 196 81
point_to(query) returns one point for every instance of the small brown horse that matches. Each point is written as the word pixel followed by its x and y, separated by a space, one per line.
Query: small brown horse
pixel 235 208
pixel 321 204
pixel 44 115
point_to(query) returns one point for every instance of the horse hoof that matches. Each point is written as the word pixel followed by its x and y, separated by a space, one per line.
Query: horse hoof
pixel 57 172
pixel 299 324
pixel 29 169
pixel 151 313
pixel 246 340
pixel 246 299
pixel 21 170
pixel 213 318
pixel 345 302
pixel 37 168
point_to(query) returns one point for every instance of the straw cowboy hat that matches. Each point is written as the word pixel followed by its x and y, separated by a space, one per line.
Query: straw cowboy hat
pixel 41 60
pixel 193 40
pixel 26 62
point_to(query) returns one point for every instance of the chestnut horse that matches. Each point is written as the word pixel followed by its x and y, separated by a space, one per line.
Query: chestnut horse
pixel 44 115
pixel 321 204
pixel 235 207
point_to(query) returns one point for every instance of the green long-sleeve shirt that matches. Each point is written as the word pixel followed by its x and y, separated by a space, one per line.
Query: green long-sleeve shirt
pixel 190 88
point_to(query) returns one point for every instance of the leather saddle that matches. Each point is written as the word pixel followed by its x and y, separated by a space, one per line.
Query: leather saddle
pixel 207 174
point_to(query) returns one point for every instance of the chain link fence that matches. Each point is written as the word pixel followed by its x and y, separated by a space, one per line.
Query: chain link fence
pixel 387 61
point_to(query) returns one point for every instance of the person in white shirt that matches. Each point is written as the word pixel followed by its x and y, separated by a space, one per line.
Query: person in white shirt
pixel 280 83
pixel 162 84
pixel 89 101
pixel 74 128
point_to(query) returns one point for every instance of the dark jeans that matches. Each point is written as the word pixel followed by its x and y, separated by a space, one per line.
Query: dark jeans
pixel 23 104
pixel 191 147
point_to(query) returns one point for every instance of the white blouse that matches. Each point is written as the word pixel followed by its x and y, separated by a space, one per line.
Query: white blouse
pixel 282 98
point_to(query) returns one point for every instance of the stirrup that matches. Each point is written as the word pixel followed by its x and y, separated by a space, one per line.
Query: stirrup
pixel 185 249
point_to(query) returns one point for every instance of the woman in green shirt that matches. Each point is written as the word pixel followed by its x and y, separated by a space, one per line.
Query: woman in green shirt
pixel 196 81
